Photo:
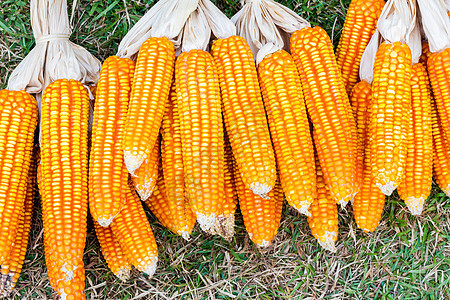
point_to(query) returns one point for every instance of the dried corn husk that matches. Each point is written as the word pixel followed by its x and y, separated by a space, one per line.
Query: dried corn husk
pixel 166 18
pixel 54 56
pixel 266 26
pixel 436 23
pixel 397 23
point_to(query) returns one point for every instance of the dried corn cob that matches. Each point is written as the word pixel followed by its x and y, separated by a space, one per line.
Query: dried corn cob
pixel 323 220
pixel 329 109
pixel 11 268
pixel 360 24
pixel 107 172
pixel 390 115
pixel 172 165
pixel 416 186
pixel 151 85
pixel 439 72
pixel 261 215
pixel 199 107
pixel 134 234
pixel 64 183
pixel 117 262
pixel 369 202
pixel 360 99
pixel 441 157
pixel 244 116
pixel 289 128
pixel 224 225
pixel 145 177
pixel 425 54
pixel 18 118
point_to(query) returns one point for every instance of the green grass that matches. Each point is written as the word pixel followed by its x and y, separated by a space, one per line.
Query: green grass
pixel 406 258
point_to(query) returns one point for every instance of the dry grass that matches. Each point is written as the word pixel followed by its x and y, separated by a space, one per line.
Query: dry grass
pixel 406 258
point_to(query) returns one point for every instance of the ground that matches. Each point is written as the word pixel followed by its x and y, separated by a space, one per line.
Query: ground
pixel 406 258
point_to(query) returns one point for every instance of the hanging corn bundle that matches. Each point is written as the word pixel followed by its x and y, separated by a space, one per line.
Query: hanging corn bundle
pixel 61 68
pixel 283 97
pixel 326 101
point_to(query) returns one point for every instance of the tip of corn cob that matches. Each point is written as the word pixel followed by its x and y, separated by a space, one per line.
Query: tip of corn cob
pixel 304 209
pixel 150 269
pixel 145 190
pixel 123 274
pixel 105 222
pixel 224 226
pixel 261 189
pixel 184 234
pixel 415 205
pixel 327 241
pixel 6 284
pixel 206 222
pixel 388 188
pixel 132 162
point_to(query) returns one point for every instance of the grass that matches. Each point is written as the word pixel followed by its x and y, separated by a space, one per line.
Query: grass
pixel 406 258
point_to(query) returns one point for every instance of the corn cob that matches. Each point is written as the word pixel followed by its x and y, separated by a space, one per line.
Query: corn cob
pixel 244 116
pixel 425 54
pixel 145 177
pixel 323 220
pixel 390 115
pixel 172 165
pixel 11 268
pixel 329 109
pixel 149 94
pixel 289 128
pixel 439 72
pixel 18 118
pixel 134 234
pixel 200 114
pixel 172 215
pixel 107 172
pixel 416 186
pixel 369 202
pixel 64 184
pixel 224 225
pixel 360 24
pixel 261 215
pixel 441 157
pixel 360 99
pixel 117 262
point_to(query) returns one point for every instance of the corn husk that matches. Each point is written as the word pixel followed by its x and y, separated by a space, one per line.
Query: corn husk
pixel 54 56
pixel 165 19
pixel 266 26
pixel 398 23
pixel 436 23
